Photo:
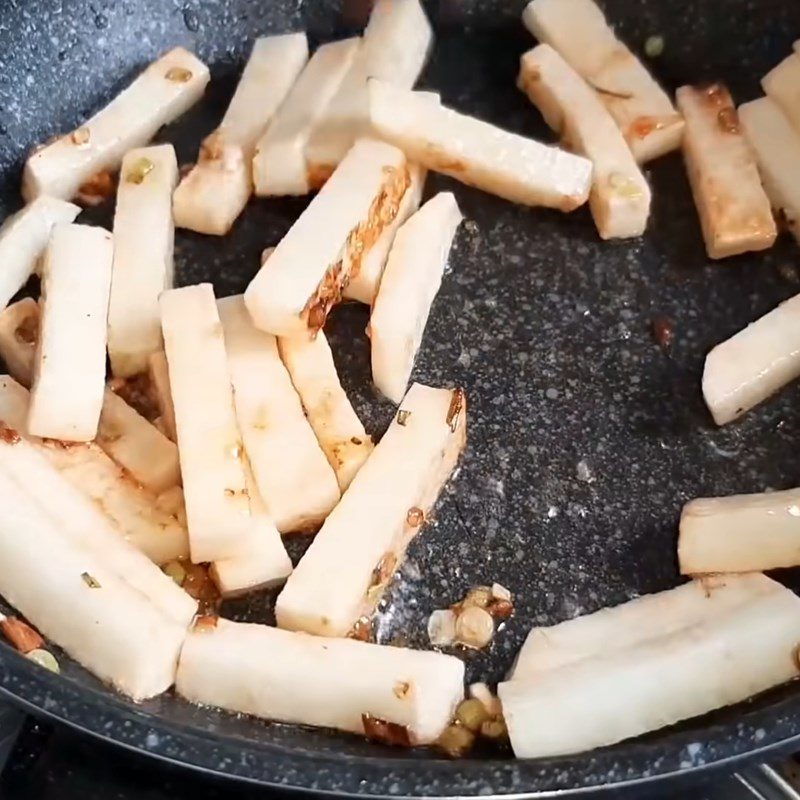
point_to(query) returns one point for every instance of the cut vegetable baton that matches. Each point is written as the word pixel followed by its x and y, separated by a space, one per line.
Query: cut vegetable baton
pixel 213 194
pixel 362 542
pixel 391 694
pixel 620 196
pixel 339 431
pixel 167 88
pixel 80 604
pixel 275 431
pixel 476 153
pixel 143 256
pixel 303 278
pixel 209 442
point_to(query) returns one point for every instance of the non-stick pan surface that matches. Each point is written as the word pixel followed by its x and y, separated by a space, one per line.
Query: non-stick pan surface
pixel 585 435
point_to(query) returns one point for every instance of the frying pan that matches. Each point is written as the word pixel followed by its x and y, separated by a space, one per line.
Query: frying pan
pixel 547 328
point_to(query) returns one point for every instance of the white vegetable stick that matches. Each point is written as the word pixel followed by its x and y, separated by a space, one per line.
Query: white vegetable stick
pixel 144 236
pixel 735 213
pixel 295 480
pixel 712 664
pixel 642 110
pixel 342 575
pixel 740 533
pixel 82 522
pixel 752 365
pixel 154 531
pixel 23 239
pixel 331 683
pixel 264 562
pixel 214 193
pixel 69 594
pixel 137 445
pixel 620 196
pixel 126 436
pixel 395 47
pixel 409 285
pixel 340 433
pixel 781 83
pixel 294 290
pixel 167 88
pixel 653 616
pixel 70 366
pixel 159 379
pixel 477 153
pixel 209 441
pixel 364 285
pixel 279 165
pixel 777 147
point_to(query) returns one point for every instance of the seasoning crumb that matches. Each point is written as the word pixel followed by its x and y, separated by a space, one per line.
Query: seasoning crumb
pixel 663 331
pixel 415 517
pixel 80 136
pixel 654 46
pixel 356 441
pixel 401 690
pixel 141 168
pixel 179 74
pixel 90 580
pixel 456 406
pixel 379 730
pixel 402 417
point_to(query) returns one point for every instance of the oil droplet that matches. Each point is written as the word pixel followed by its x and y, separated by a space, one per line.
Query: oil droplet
pixel 191 20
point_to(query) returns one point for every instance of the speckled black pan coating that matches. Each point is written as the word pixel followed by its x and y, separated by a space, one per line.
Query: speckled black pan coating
pixel 547 328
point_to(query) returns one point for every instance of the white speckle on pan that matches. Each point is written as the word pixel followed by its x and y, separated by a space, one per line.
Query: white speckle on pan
pixel 551 393
pixel 151 740
pixel 584 472
pixel 552 512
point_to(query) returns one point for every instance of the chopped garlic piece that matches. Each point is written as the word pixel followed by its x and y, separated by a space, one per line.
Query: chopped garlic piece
pixel 214 193
pixel 642 110
pixel 395 47
pixel 23 239
pixel 70 366
pixel 409 285
pixel 714 663
pixel 338 429
pixel 625 626
pixel 364 285
pixel 279 165
pixel 82 522
pixel 330 683
pixel 477 153
pixel 343 574
pixel 780 85
pixel 300 494
pixel 159 378
pixel 130 120
pixel 143 259
pixel 735 213
pixel 740 533
pixel 209 441
pixel 754 363
pixel 264 561
pixel 134 510
pixel 620 196
pixel 107 626
pixel 296 288
pixel 777 147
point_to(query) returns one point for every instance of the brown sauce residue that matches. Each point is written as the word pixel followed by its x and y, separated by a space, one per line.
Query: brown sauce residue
pixel 317 174
pixel 382 213
pixel 97 189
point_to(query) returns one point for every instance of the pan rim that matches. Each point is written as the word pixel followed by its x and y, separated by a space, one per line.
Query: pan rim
pixel 627 765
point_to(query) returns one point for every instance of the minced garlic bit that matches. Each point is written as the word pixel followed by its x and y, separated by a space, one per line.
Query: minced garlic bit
pixel 141 168
pixel 442 627
pixel 402 417
pixel 415 517
pixel 44 658
pixel 474 627
pixel 471 714
pixel 90 580
pixel 654 46
pixel 401 690
pixel 176 571
pixel 456 741
pixel 179 74
pixel 80 136
pixel 456 406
